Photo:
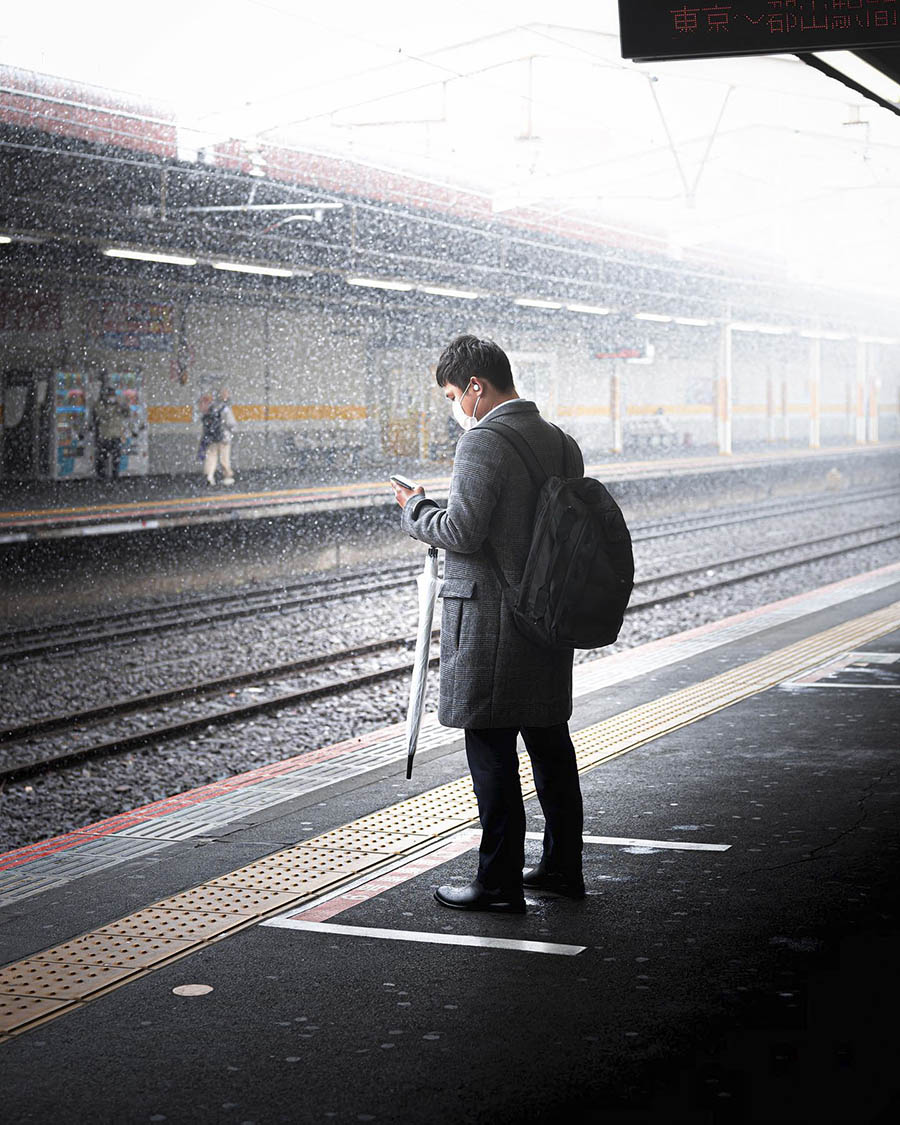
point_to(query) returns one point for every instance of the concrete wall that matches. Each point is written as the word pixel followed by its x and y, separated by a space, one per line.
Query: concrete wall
pixel 309 383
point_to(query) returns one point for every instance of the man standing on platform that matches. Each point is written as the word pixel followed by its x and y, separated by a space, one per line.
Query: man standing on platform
pixel 495 683
pixel 110 417
pixel 218 430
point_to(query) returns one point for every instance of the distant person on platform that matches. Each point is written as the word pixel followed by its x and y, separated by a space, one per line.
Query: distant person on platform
pixel 496 683
pixel 110 418
pixel 218 422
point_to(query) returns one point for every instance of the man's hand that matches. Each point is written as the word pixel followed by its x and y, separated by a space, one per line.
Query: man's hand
pixel 403 495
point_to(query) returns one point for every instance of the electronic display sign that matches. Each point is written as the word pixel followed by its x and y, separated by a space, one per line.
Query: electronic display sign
pixel 666 29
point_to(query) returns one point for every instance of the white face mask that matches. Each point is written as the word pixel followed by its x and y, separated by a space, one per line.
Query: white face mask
pixel 460 415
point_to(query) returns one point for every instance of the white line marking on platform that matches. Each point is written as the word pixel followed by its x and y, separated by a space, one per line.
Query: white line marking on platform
pixel 795 686
pixel 111 528
pixel 625 842
pixel 424 936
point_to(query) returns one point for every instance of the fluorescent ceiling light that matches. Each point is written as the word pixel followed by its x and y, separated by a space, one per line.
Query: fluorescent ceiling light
pixel 766 329
pixel 4 238
pixel 594 310
pixel 241 267
pixel 149 256
pixel 652 316
pixel 440 291
pixel 377 283
pixel 537 303
pixel 835 335
pixel 848 64
pixel 693 320
pixel 876 340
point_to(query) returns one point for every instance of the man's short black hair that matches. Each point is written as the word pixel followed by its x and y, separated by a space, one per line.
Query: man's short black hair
pixel 467 358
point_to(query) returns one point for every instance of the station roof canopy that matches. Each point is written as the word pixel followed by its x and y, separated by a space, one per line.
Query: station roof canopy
pixel 511 107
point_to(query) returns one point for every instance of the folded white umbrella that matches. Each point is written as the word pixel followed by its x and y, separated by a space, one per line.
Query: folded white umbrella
pixel 427 582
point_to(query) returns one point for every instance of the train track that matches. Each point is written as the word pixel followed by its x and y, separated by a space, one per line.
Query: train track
pixel 227 713
pixel 85 634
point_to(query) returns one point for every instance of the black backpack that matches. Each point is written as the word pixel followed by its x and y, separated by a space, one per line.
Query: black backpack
pixel 213 426
pixel 580 570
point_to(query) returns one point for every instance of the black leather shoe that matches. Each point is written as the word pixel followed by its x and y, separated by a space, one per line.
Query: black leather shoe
pixel 553 882
pixel 474 897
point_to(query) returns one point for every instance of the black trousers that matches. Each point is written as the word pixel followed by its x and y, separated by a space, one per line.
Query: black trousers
pixel 109 453
pixel 494 765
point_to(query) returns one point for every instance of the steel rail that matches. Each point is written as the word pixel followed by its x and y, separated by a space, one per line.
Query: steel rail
pixel 184 692
pixel 20 732
pixel 292 698
pixel 189 726
pixel 278 599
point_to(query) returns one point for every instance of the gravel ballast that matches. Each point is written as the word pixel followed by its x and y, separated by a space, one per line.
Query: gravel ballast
pixel 58 802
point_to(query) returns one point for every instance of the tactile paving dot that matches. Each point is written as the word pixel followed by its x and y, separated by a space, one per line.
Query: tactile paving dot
pixel 162 922
pixel 64 982
pixel 18 1010
pixel 230 900
pixel 115 949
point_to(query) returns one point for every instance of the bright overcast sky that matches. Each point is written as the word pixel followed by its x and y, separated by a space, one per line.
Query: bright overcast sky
pixel 757 154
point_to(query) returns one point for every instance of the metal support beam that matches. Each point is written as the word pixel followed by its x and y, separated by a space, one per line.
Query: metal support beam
pixel 860 396
pixel 723 390
pixel 615 411
pixel 815 389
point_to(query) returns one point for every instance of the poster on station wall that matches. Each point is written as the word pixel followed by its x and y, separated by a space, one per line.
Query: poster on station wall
pixel 136 326
pixel 29 312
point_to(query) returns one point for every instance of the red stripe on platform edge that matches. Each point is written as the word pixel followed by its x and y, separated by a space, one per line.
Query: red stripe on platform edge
pixel 140 815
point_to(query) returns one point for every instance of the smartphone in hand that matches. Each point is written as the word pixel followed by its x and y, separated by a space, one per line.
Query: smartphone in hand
pixel 403 482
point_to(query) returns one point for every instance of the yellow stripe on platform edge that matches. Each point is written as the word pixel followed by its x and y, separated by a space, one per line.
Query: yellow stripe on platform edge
pixel 50 983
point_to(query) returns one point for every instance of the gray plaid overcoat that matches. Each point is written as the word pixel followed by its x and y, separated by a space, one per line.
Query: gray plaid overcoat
pixel 492 676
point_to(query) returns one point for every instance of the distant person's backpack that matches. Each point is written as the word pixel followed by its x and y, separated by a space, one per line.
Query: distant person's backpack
pixel 213 425
pixel 580 570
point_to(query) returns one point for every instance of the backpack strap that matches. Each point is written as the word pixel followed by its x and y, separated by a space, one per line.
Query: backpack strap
pixel 535 471
pixel 521 446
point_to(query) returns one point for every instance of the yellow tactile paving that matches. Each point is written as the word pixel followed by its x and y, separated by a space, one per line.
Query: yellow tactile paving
pixel 80 968
pixel 115 949
pixel 160 922
pixel 60 981
pixel 299 871
pixel 19 1011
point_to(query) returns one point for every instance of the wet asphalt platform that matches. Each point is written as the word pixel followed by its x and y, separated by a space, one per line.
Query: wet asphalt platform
pixel 755 982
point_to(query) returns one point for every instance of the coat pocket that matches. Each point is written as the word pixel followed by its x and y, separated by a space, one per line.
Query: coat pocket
pixel 456 592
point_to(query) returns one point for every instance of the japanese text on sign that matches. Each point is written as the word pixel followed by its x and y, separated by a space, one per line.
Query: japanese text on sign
pixel 663 29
